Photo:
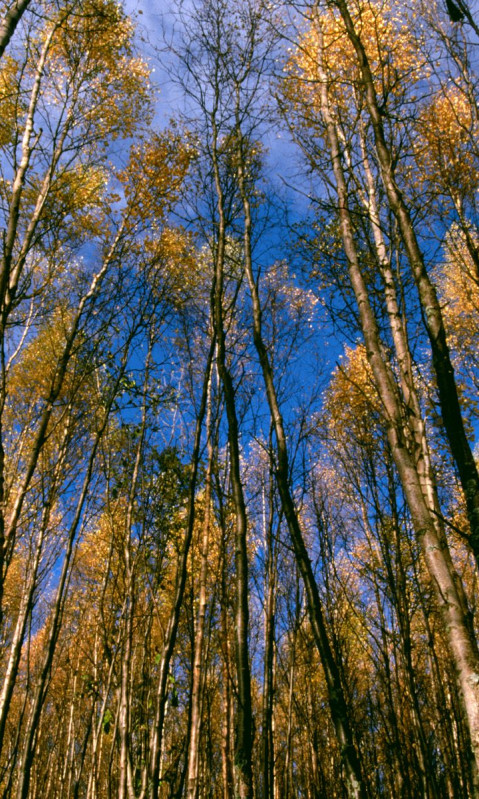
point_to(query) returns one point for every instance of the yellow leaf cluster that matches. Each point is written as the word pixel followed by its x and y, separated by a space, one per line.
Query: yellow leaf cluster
pixel 91 58
pixel 447 128
pixel 176 266
pixel 459 288
pixel 173 250
pixel 33 376
pixel 91 32
pixel 351 400
pixel 13 587
pixel 76 200
pixel 154 175
pixel 392 52
pixel 116 105
pixel 9 99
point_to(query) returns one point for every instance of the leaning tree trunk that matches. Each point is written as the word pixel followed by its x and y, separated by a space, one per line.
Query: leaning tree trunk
pixel 336 696
pixel 244 715
pixel 432 313
pixel 10 22
pixel 449 590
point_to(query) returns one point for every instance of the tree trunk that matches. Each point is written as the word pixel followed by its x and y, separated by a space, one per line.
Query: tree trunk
pixel 269 653
pixel 198 665
pixel 336 697
pixel 10 22
pixel 156 739
pixel 432 313
pixel 449 591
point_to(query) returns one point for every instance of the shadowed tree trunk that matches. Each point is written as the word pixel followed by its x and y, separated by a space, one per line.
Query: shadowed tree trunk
pixel 194 748
pixel 449 590
pixel 151 789
pixel 337 700
pixel 432 313
pixel 10 22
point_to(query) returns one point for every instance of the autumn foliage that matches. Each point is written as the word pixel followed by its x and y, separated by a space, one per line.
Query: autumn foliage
pixel 239 499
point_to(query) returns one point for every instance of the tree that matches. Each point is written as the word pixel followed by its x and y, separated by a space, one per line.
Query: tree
pixel 10 21
pixel 406 435
pixel 235 561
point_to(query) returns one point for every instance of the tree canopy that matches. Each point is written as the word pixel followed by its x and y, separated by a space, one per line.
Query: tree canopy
pixel 239 353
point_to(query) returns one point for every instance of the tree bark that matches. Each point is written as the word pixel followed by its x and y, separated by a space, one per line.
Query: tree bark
pixel 156 738
pixel 244 717
pixel 269 646
pixel 432 313
pixel 199 647
pixel 449 590
pixel 10 22
pixel 336 697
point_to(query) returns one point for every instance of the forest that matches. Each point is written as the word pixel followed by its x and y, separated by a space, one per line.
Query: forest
pixel 239 365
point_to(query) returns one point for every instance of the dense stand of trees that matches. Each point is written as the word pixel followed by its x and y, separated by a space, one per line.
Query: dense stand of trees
pixel 239 499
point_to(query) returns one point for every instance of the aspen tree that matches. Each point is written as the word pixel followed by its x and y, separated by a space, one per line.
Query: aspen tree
pixel 408 442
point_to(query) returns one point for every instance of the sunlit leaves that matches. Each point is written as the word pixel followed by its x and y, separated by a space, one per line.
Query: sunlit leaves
pixel 393 54
pixel 154 175
pixel 445 147
pixel 74 210
pixel 458 283
pixel 91 61
pixel 352 401
pixel 9 98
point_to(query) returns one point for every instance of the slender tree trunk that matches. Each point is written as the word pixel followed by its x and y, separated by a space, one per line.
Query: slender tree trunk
pixel 336 696
pixel 449 591
pixel 23 618
pixel 432 313
pixel 100 707
pixel 288 777
pixel 226 671
pixel 199 648
pixel 269 642
pixel 399 590
pixel 68 769
pixel 156 740
pixel 124 702
pixel 126 788
pixel 8 285
pixel 244 716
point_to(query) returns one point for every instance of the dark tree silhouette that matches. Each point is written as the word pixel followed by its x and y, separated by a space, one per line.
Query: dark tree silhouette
pixel 455 12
